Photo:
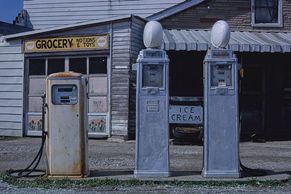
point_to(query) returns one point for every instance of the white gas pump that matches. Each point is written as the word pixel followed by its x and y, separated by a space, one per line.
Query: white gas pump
pixel 66 125
pixel 221 125
pixel 152 99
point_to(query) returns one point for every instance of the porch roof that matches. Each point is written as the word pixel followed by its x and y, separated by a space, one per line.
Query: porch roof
pixel 240 41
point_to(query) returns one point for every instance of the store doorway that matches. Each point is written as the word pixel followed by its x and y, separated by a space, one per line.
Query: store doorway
pixel 186 89
pixel 265 98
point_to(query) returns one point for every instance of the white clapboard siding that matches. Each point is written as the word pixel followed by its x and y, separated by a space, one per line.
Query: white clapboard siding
pixel 48 13
pixel 11 90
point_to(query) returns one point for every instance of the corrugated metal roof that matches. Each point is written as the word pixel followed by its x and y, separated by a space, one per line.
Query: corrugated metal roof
pixel 199 40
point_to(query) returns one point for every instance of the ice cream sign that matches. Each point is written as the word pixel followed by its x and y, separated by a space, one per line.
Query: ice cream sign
pixel 66 44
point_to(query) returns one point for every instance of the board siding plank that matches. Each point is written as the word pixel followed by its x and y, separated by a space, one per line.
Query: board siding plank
pixel 10 50
pixel 10 118
pixel 10 125
pixel 11 102
pixel 11 132
pixel 10 110
pixel 11 95
pixel 11 64
pixel 11 72
pixel 11 57
pixel 11 80
pixel 11 87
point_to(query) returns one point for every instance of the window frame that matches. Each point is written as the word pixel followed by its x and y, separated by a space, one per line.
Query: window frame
pixel 280 16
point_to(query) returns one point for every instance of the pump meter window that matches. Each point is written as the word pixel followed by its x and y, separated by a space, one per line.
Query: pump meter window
pixel 152 76
pixel 221 75
pixel 64 94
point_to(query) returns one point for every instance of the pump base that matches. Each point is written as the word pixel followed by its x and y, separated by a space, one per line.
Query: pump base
pixel 148 173
pixel 221 174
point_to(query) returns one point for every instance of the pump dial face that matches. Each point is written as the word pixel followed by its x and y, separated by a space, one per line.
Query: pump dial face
pixel 152 75
pixel 221 75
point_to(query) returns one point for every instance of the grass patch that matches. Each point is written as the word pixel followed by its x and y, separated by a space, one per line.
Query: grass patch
pixel 3 138
pixel 44 182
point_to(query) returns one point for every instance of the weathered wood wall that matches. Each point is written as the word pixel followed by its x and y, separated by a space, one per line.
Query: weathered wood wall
pixel 11 90
pixel 120 78
pixel 137 27
pixel 48 13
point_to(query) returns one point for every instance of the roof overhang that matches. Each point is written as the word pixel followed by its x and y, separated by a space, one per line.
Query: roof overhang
pixel 67 27
pixel 199 40
pixel 174 9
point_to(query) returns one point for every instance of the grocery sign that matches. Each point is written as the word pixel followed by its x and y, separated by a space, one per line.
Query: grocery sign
pixel 66 44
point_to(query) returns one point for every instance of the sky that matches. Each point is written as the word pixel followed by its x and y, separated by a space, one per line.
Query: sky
pixel 9 9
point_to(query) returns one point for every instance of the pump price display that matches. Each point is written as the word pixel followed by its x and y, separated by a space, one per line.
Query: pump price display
pixel 66 44
pixel 186 114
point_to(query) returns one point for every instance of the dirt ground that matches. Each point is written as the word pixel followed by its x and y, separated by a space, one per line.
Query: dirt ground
pixel 108 159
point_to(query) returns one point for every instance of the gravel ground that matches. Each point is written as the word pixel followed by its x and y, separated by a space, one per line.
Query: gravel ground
pixel 116 160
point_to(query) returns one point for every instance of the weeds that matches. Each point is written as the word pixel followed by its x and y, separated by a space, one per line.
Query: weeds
pixel 44 182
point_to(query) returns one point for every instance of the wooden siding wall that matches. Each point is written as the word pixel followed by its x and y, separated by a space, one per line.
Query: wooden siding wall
pixel 236 12
pixel 137 27
pixel 11 90
pixel 120 79
pixel 48 13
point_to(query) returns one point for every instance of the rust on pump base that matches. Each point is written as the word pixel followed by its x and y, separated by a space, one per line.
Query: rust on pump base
pixel 65 74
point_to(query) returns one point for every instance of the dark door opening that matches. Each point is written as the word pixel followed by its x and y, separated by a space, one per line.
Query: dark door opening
pixel 265 99
pixel 186 89
pixel 186 73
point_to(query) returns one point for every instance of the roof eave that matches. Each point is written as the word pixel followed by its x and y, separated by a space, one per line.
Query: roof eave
pixel 174 9
pixel 67 27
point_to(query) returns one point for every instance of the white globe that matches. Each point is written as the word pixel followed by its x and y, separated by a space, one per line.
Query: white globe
pixel 153 35
pixel 220 34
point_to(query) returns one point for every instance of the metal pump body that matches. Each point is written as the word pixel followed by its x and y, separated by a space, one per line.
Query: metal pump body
pixel 66 125
pixel 221 129
pixel 152 101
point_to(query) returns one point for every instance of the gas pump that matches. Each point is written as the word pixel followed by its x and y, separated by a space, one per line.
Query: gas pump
pixel 152 98
pixel 66 125
pixel 221 125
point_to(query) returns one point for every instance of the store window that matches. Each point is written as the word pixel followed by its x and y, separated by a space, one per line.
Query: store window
pixel 267 13
pixel 97 65
pixel 56 65
pixel 37 67
pixel 78 65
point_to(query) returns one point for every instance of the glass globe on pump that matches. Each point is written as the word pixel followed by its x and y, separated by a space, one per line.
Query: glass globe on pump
pixel 220 34
pixel 153 35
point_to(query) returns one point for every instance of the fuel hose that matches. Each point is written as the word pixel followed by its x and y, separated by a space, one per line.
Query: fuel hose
pixel 252 171
pixel 30 170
